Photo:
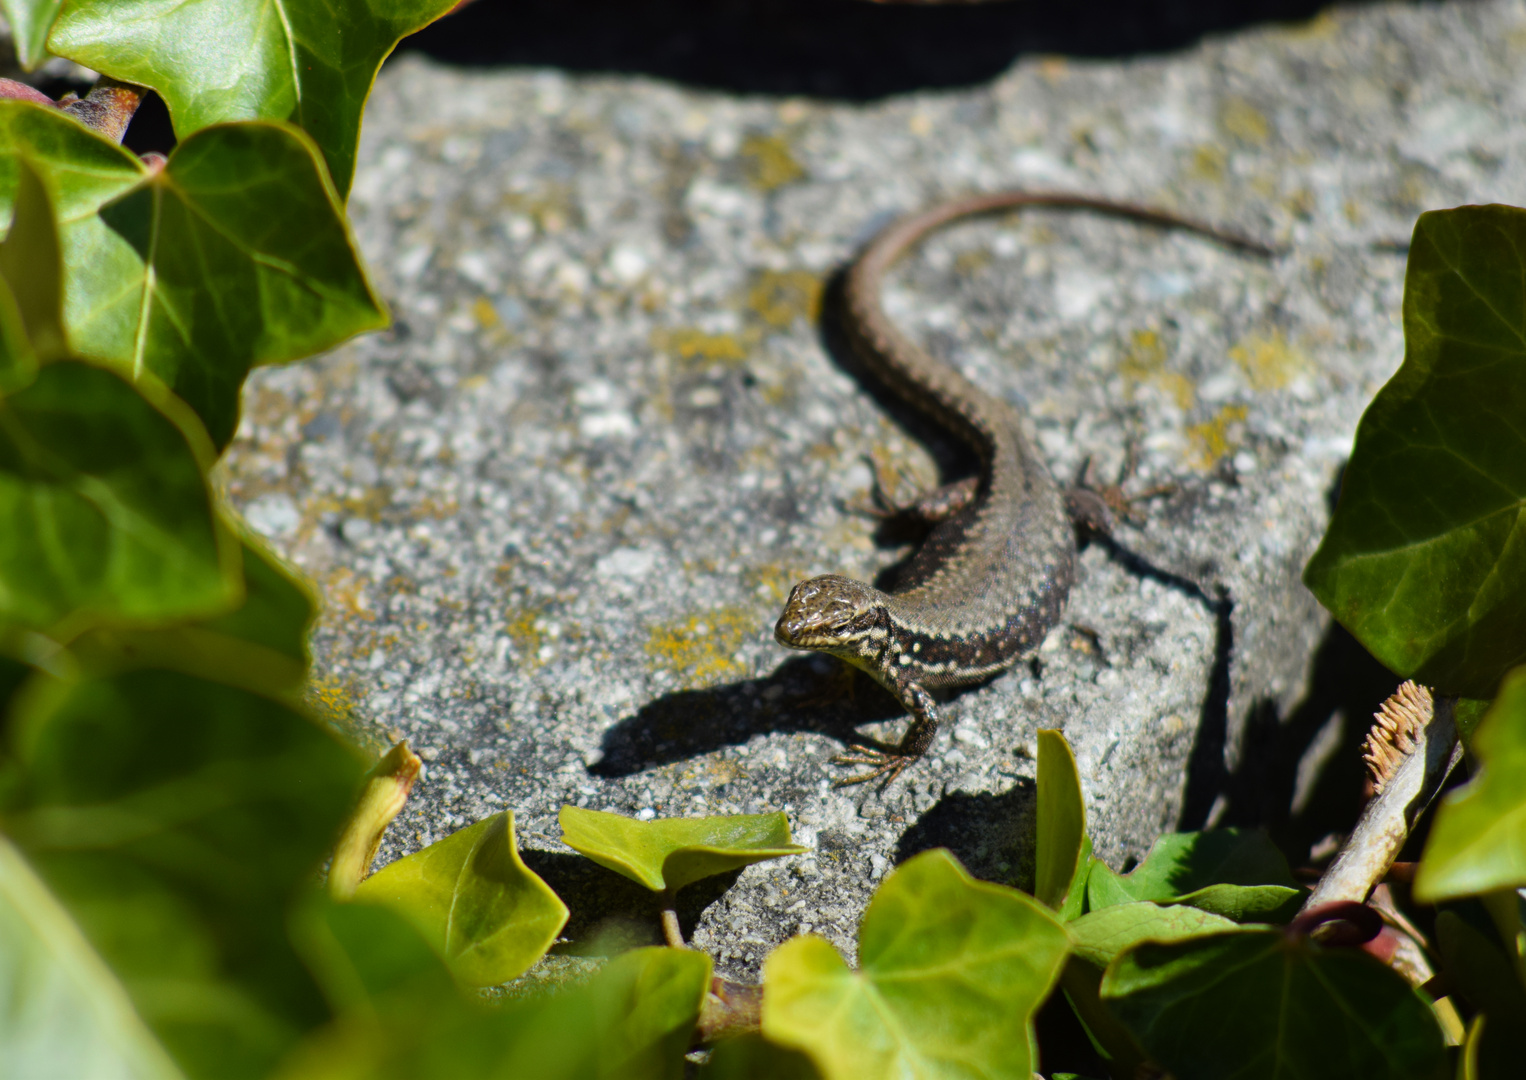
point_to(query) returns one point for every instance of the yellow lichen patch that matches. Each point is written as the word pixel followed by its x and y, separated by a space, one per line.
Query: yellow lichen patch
pixel 971 262
pixel 336 700
pixel 702 646
pixel 552 211
pixel 1213 439
pixel 1208 163
pixel 431 507
pixel 1244 121
pixel 770 164
pixel 1144 361
pixel 527 633
pixel 344 593
pixel 689 343
pixel 778 298
pixel 1267 360
pixel 485 314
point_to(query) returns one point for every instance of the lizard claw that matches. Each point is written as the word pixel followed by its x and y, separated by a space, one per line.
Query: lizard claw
pixel 886 764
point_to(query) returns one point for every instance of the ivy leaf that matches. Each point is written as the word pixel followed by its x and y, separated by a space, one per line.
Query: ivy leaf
pixel 1062 855
pixel 473 897
pixel 1425 558
pixel 667 854
pixel 1099 936
pixel 235 254
pixel 1179 864
pixel 32 265
pixel 1262 1003
pixel 177 820
pixel 108 514
pixel 1478 840
pixel 1481 972
pixel 951 972
pixel 223 60
pixel 382 797
pixel 18 360
pixel 30 22
pixel 65 1012
pixel 752 1057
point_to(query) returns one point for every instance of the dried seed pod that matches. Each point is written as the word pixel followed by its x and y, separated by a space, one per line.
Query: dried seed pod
pixel 1396 724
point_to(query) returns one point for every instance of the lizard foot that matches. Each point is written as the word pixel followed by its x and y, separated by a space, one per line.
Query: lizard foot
pixel 888 764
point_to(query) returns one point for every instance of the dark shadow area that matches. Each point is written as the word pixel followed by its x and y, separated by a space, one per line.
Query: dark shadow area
pixel 150 129
pixel 843 49
pixel 692 723
pixel 1346 686
pixel 990 833
pixel 609 912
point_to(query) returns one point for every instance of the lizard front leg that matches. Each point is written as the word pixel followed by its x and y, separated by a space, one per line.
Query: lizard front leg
pixel 914 744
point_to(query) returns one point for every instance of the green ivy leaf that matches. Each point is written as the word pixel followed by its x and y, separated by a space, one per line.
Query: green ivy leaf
pixel 65 1012
pixel 369 958
pixel 472 896
pixel 1261 1003
pixel 667 854
pixel 150 261
pixel 1480 971
pixel 752 1057
pixel 1478 840
pixel 176 820
pixel 18 360
pixel 222 60
pixel 32 265
pixel 1062 851
pixel 109 517
pixel 1179 864
pixel 30 22
pixel 1425 558
pixel 951 972
pixel 1099 936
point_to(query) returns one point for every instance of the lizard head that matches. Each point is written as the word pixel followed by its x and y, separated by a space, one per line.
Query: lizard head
pixel 835 615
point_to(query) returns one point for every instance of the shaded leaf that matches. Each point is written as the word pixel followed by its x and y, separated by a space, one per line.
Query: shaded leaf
pixel 1478 969
pixel 382 797
pixel 222 60
pixel 667 854
pixel 1247 903
pixel 30 22
pixel 952 970
pixel 473 897
pixel 177 820
pixel 1425 558
pixel 82 170
pixel 1262 1003
pixel 1478 841
pixel 1183 863
pixel 109 517
pixel 18 361
pixel 752 1057
pixel 32 265
pixel 370 959
pixel 62 1011
pixel 278 609
pixel 1062 854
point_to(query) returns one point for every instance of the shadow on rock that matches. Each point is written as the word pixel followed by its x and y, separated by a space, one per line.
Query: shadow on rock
pixel 608 912
pixel 990 833
pixel 825 48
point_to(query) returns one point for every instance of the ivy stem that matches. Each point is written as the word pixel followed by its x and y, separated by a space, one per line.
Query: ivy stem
pixel 670 928
pixel 108 108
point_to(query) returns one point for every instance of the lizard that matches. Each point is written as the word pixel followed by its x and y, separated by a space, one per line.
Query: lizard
pixel 992 576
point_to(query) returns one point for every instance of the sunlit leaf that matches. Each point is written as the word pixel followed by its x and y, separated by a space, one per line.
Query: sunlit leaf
pixel 219 60
pixel 669 853
pixel 1258 1004
pixel 30 22
pixel 382 798
pixel 62 1011
pixel 1099 936
pixel 951 971
pixel 235 254
pixel 473 897
pixel 1062 855
pixel 1478 840
pixel 177 820
pixel 1179 864
pixel 1425 558
pixel 108 516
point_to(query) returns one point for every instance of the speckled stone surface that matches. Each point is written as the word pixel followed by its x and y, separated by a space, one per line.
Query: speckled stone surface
pixel 555 510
